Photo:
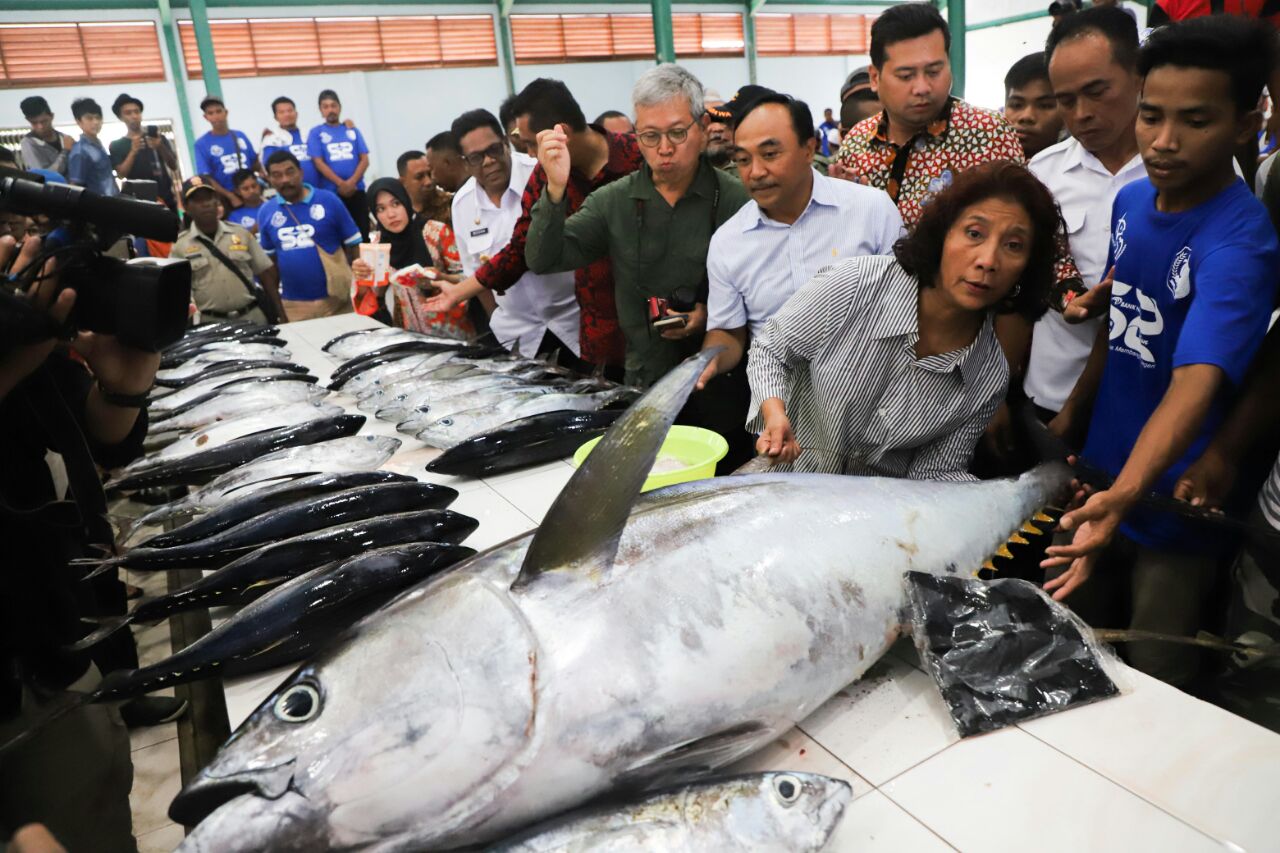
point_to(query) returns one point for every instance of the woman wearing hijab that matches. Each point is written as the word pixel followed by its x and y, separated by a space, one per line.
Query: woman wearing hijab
pixel 402 230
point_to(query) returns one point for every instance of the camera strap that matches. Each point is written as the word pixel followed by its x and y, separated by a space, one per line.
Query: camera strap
pixel 255 290
pixel 58 422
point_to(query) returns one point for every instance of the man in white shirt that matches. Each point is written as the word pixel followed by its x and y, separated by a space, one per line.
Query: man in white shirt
pixel 541 314
pixel 1092 59
pixel 797 223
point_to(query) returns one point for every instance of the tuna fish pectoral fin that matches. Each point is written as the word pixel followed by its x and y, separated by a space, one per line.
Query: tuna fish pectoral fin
pixel 107 628
pixel 697 757
pixel 585 522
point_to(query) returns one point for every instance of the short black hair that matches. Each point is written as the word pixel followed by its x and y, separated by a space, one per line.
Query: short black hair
pixel 851 106
pixel 85 107
pixel 608 114
pixel 35 105
pixel 801 116
pixel 507 112
pixel 1026 71
pixel 283 99
pixel 474 120
pixel 281 156
pixel 443 141
pixel 211 99
pixel 905 22
pixel 547 103
pixel 403 161
pixel 1242 48
pixel 328 95
pixel 241 176
pixel 1109 22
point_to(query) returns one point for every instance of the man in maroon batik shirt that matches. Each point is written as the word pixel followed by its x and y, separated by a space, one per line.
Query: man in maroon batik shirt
pixel 599 157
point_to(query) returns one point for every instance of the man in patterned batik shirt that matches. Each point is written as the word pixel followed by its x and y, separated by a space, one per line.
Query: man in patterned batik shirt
pixel 924 136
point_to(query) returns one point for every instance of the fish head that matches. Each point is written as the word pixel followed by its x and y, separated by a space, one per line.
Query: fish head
pixel 376 737
pixel 446 431
pixel 785 810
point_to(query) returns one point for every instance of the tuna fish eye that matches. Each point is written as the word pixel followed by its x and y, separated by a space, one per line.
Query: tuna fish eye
pixel 787 788
pixel 446 422
pixel 298 704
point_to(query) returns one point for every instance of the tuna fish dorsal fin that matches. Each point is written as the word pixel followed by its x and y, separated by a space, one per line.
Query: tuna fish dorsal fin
pixel 583 525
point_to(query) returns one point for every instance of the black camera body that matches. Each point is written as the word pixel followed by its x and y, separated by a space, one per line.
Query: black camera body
pixel 153 131
pixel 145 301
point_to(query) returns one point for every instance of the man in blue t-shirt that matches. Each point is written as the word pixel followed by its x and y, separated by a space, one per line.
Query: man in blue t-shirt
pixel 222 152
pixel 1195 261
pixel 341 157
pixel 287 136
pixel 311 238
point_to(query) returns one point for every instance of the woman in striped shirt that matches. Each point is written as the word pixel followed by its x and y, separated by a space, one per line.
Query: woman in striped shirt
pixel 889 365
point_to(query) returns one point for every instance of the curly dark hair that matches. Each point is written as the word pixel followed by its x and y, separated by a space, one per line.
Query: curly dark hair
pixel 920 252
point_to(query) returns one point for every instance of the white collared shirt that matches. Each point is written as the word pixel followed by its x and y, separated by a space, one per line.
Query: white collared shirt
pixel 1085 191
pixel 755 264
pixel 536 302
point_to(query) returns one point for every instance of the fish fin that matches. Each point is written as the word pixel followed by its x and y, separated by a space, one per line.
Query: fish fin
pixel 696 757
pixel 585 523
pixel 107 628
pixel 101 567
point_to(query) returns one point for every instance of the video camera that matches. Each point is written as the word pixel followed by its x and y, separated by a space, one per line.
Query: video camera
pixel 143 302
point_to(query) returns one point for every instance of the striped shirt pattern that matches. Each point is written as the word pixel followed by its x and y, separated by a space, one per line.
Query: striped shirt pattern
pixel 1269 497
pixel 841 356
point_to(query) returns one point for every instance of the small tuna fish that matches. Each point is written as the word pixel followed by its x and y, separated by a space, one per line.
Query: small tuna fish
pixel 786 812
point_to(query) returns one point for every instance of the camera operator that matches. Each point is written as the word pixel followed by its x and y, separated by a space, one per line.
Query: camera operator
pixel 74 774
pixel 142 153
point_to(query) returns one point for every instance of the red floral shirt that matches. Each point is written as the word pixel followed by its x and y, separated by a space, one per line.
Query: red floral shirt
pixel 964 136
pixel 600 339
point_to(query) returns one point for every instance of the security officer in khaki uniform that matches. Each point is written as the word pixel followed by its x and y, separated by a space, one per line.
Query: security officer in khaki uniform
pixel 224 258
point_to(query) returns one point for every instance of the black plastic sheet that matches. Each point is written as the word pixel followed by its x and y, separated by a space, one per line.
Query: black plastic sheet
pixel 1001 651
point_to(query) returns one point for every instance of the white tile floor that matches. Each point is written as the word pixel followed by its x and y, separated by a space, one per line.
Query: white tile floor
pixel 1151 770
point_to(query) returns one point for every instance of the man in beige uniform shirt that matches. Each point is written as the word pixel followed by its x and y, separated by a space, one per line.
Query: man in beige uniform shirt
pixel 218 291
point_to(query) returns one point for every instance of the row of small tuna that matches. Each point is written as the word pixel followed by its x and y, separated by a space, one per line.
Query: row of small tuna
pixel 489 412
pixel 290 518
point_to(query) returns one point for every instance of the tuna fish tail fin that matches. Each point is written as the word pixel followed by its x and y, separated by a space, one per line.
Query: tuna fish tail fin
pixel 583 526
pixel 106 629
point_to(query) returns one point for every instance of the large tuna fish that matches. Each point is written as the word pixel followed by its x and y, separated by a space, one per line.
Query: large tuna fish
pixel 614 646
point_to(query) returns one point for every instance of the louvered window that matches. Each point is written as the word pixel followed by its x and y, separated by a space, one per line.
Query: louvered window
pixel 68 54
pixel 260 46
pixel 592 38
pixel 811 34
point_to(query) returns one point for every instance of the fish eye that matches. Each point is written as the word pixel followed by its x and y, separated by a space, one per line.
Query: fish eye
pixel 787 788
pixel 446 422
pixel 298 704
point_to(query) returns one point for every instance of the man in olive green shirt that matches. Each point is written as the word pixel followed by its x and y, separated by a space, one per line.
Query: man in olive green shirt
pixel 655 224
pixel 217 291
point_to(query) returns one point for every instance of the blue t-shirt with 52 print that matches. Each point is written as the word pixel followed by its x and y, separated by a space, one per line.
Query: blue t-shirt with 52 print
pixel 1194 287
pixel 340 147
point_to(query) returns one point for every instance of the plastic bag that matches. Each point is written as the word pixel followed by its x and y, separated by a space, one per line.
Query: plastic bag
pixel 1002 651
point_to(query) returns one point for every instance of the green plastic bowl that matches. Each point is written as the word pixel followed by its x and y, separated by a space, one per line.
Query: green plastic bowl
pixel 699 449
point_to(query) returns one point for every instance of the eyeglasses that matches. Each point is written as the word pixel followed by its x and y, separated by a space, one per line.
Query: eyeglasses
pixel 496 151
pixel 676 135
